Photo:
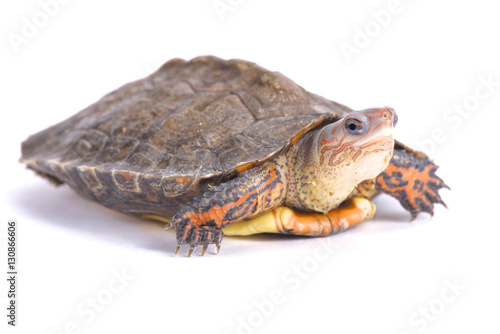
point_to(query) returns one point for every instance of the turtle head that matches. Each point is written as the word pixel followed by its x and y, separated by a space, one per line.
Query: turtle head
pixel 332 161
pixel 358 146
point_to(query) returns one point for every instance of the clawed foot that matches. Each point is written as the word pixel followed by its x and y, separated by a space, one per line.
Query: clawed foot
pixel 413 181
pixel 194 236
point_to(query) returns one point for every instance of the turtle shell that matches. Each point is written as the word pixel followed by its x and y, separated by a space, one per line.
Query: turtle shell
pixel 151 145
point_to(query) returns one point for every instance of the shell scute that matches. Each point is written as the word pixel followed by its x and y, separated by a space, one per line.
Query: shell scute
pixel 196 121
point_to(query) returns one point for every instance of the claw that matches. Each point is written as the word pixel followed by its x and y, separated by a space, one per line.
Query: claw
pixel 218 240
pixel 443 203
pixel 167 226
pixel 204 249
pixel 195 236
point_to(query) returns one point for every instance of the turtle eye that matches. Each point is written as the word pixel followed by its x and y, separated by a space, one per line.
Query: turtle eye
pixel 354 127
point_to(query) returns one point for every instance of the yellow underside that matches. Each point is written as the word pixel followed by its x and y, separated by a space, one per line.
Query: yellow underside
pixel 262 224
pixel 156 217
pixel 266 223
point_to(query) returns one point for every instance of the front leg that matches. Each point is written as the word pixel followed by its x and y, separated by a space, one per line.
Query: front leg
pixel 255 191
pixel 410 178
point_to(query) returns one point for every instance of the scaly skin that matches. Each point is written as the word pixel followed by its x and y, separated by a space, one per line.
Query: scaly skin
pixel 316 174
pixel 409 178
pixel 255 191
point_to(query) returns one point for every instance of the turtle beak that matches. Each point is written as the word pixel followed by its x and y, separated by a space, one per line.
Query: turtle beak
pixel 387 114
pixel 390 115
pixel 394 118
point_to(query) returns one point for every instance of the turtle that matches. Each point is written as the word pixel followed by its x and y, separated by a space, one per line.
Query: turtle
pixel 215 147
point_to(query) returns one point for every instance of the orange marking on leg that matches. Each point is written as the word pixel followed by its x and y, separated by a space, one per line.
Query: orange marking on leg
pixel 215 217
pixel 410 175
pixel 227 207
pixel 219 211
pixel 263 202
pixel 188 228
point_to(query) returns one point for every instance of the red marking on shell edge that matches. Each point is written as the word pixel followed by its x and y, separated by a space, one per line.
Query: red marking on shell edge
pixel 245 167
pixel 181 180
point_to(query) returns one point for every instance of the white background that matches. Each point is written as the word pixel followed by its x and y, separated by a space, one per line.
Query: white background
pixel 383 276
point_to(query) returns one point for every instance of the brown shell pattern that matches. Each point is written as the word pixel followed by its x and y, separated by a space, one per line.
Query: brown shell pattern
pixel 189 120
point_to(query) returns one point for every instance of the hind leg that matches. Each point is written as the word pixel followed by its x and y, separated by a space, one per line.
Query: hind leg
pixel 285 220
